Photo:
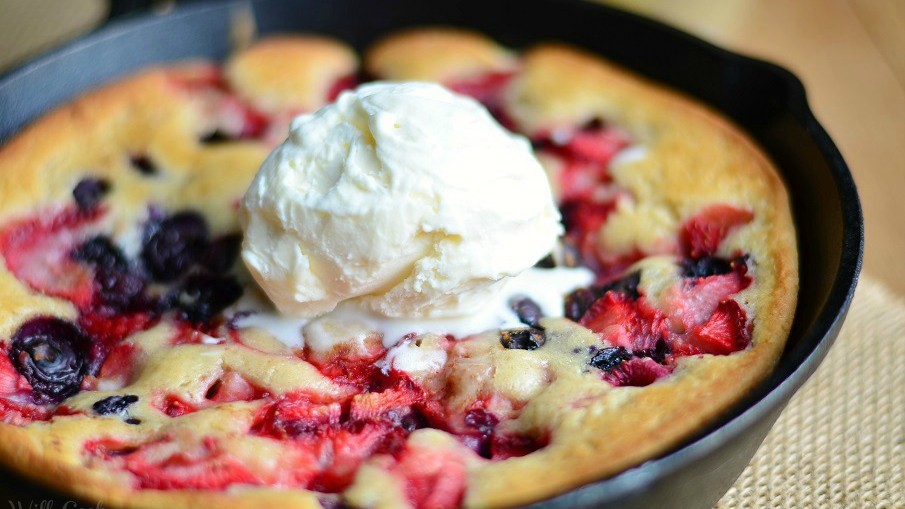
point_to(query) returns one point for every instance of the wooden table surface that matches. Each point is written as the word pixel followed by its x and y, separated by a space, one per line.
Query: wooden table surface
pixel 849 53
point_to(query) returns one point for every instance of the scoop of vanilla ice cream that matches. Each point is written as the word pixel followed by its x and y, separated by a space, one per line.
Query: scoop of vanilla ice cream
pixel 404 198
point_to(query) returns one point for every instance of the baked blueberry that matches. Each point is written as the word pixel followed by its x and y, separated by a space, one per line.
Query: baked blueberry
pixel 174 244
pixel 528 338
pixel 201 296
pixel 528 311
pixel 114 404
pixel 51 354
pixel 89 192
pixel 608 358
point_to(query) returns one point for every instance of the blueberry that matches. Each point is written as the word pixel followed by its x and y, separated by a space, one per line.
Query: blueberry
pixel 222 253
pixel 100 252
pixel 657 353
pixel 174 244
pixel 133 421
pixel 121 290
pixel 527 338
pixel 705 267
pixel 114 404
pixel 51 354
pixel 579 301
pixel 529 313
pixel 117 286
pixel 627 285
pixel 89 192
pixel 143 164
pixel 202 296
pixel 608 358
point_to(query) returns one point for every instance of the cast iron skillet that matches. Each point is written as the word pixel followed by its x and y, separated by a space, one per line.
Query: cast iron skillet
pixel 764 99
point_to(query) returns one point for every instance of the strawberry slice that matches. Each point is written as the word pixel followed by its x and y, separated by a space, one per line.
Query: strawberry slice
pixel 433 478
pixel 119 363
pixel 597 145
pixel 353 365
pixel 173 405
pixel 166 465
pixel 340 85
pixel 726 331
pixel 232 386
pixel 622 321
pixel 343 452
pixel 296 415
pixel 110 329
pixel 11 382
pixel 486 88
pixel 37 251
pixel 636 372
pixel 702 234
pixel 691 303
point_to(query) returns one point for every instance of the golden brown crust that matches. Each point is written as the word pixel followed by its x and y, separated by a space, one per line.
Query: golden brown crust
pixel 694 157
pixel 290 73
pixel 436 54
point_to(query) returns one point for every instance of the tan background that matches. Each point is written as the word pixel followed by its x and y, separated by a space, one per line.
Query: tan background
pixel 841 442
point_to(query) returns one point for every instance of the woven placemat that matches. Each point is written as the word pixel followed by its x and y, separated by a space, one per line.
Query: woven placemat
pixel 841 441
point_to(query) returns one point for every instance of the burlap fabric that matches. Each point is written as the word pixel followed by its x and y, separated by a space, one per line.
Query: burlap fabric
pixel 841 441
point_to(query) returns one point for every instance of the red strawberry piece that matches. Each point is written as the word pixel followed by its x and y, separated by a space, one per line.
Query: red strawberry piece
pixel 110 329
pixel 232 386
pixel 599 145
pixel 11 382
pixel 173 405
pixel 583 221
pixel 433 478
pixel 636 372
pixel 36 251
pixel 702 234
pixel 726 331
pixel 506 446
pixel 20 413
pixel 692 302
pixel 487 88
pixel 340 85
pixel 164 465
pixel 621 321
pixel 344 451
pixel 296 415
pixel 349 365
pixel 393 405
pixel 119 363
